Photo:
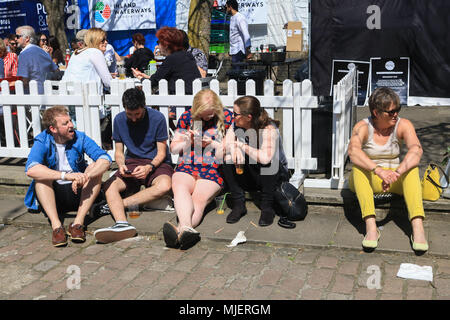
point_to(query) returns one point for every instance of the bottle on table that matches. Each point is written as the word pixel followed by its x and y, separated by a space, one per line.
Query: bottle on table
pixel 151 67
pixel 67 57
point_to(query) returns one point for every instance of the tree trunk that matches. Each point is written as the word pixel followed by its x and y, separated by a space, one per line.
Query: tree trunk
pixel 56 21
pixel 199 26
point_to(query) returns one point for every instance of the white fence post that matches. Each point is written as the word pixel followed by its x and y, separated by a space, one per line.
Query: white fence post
pixel 344 101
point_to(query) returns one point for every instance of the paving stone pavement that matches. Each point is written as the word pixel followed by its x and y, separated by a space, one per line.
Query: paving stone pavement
pixel 142 268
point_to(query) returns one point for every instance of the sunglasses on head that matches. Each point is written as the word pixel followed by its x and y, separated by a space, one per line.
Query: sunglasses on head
pixel 392 112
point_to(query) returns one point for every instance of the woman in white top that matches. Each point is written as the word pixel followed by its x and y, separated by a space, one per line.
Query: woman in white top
pixel 374 150
pixel 88 63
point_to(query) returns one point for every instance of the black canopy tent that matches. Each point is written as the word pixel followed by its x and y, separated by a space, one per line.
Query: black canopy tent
pixel 354 30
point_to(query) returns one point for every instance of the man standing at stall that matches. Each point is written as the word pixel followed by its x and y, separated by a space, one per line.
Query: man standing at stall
pixel 239 37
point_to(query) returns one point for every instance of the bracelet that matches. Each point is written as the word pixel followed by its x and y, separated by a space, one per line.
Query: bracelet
pixel 63 175
pixel 375 168
pixel 152 165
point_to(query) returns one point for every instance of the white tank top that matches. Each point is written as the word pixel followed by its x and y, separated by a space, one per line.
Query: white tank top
pixel 386 155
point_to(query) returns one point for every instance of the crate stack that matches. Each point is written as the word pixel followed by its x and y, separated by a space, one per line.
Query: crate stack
pixel 220 32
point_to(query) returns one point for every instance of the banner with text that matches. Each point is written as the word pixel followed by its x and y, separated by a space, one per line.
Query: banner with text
pixel 115 15
pixel 392 73
pixel 14 14
pixel 255 11
pixel 340 70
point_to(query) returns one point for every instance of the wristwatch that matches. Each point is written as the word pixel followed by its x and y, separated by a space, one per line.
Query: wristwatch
pixel 152 165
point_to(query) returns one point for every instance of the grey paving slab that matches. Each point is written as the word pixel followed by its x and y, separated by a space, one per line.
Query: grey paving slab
pixel 11 209
pixel 215 227
pixel 439 236
pixel 317 229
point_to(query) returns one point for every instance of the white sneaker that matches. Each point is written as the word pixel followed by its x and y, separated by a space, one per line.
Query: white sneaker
pixel 117 232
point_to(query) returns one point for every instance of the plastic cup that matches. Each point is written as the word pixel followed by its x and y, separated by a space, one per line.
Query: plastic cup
pixel 133 211
pixel 239 169
pixel 121 71
pixel 220 204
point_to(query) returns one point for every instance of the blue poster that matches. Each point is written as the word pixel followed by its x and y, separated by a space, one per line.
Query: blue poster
pixel 14 14
pixel 31 12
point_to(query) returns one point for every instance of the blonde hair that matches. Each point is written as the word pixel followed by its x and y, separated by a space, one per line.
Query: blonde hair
pixel 93 38
pixel 204 100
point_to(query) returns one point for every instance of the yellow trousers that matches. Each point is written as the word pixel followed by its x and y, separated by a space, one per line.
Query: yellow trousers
pixel 365 183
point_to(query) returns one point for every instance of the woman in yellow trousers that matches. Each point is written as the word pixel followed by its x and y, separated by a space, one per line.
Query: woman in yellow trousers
pixel 374 150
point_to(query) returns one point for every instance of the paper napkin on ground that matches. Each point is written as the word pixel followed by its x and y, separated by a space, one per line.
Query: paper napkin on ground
pixel 240 238
pixel 413 271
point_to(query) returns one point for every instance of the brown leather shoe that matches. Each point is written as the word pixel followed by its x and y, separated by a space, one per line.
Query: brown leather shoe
pixel 77 233
pixel 59 237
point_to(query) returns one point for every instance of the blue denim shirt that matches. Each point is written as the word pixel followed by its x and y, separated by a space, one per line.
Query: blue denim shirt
pixel 44 152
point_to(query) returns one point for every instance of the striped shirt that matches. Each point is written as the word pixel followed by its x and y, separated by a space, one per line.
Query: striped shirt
pixel 10 62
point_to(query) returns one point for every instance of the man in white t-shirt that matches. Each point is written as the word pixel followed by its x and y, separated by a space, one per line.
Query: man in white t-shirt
pixel 240 43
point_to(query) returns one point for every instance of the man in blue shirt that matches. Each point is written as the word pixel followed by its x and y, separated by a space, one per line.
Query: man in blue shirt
pixel 62 181
pixel 147 162
pixel 34 62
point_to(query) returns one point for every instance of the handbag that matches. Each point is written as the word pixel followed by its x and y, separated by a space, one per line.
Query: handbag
pixel 431 188
pixel 291 202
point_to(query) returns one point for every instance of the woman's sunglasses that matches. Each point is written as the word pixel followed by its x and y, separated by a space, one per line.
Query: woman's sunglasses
pixel 392 112
pixel 43 40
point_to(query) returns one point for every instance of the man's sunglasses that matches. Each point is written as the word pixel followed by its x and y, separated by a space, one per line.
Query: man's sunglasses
pixel 392 112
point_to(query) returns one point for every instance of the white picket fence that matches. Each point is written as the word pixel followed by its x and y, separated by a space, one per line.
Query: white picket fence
pixel 344 116
pixel 295 103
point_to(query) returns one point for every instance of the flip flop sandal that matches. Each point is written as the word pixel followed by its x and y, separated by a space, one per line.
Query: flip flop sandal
pixel 285 223
pixel 189 237
pixel 170 235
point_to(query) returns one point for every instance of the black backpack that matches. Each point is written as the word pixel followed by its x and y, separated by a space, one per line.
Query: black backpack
pixel 290 202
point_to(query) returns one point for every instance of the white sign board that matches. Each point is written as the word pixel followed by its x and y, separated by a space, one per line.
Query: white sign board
pixel 114 15
pixel 255 11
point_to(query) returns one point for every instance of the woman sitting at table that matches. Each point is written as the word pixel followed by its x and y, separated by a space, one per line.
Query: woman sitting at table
pixel 178 63
pixel 140 57
pixel 88 63
pixel 258 162
pixel 43 42
pixel 196 179
pixel 374 150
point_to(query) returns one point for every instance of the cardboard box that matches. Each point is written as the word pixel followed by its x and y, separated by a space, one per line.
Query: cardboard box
pixel 294 33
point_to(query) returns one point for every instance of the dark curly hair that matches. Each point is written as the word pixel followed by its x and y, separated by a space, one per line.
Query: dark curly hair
pixel 133 99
